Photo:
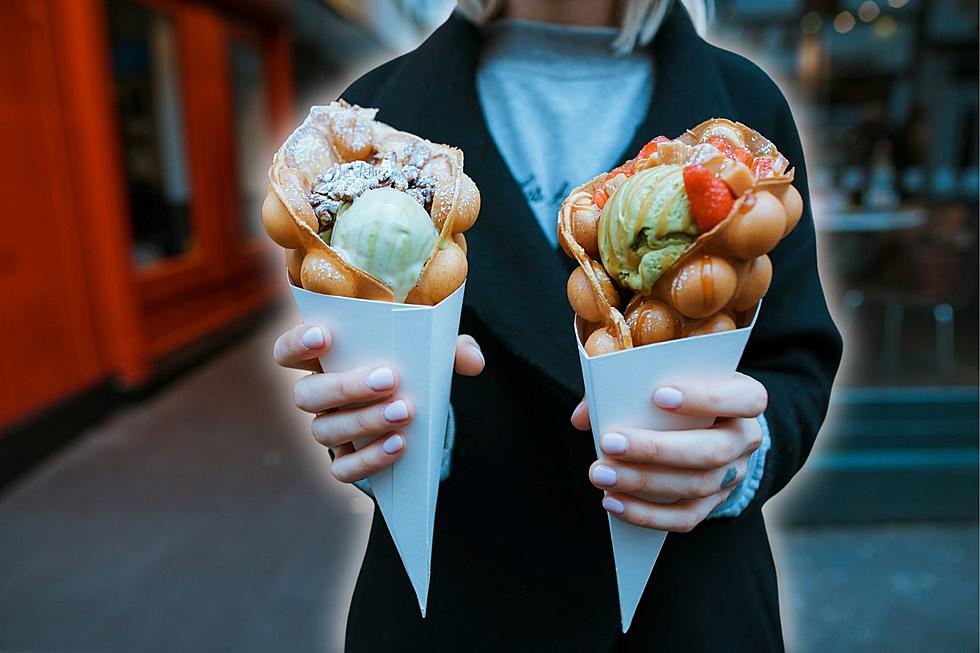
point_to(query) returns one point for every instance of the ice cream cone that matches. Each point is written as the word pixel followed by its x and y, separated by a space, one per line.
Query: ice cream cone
pixel 619 388
pixel 419 341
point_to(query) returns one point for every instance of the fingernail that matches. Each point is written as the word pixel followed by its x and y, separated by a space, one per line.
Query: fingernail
pixel 668 397
pixel 381 379
pixel 393 444
pixel 613 443
pixel 478 352
pixel 313 338
pixel 578 409
pixel 396 411
pixel 604 476
pixel 613 505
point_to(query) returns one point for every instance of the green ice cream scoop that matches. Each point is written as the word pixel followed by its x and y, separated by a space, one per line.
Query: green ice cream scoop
pixel 645 227
pixel 388 234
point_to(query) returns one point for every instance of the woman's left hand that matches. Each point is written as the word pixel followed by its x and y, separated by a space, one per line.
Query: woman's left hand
pixel 672 480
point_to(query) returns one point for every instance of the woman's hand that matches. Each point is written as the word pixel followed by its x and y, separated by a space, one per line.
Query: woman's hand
pixel 358 403
pixel 671 480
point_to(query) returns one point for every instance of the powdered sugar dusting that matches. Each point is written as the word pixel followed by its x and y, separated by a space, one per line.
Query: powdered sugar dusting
pixel 348 181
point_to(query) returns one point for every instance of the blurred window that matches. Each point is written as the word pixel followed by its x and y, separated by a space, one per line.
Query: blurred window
pixel 886 94
pixel 146 81
pixel 252 137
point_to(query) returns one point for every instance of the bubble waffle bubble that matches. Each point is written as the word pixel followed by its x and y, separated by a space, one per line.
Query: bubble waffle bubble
pixel 726 196
pixel 309 168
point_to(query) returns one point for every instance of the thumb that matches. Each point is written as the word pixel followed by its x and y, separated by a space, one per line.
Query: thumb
pixel 580 416
pixel 469 358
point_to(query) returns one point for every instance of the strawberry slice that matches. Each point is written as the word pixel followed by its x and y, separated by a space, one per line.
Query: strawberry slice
pixel 722 145
pixel 711 199
pixel 599 197
pixel 762 167
pixel 650 148
pixel 743 155
pixel 627 169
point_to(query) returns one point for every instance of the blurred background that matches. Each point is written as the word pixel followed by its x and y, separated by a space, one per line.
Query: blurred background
pixel 159 493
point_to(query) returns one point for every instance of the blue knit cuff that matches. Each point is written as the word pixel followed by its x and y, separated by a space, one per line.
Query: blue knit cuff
pixel 364 485
pixel 742 495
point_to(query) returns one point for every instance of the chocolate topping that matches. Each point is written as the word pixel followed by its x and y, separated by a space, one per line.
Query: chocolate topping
pixel 348 181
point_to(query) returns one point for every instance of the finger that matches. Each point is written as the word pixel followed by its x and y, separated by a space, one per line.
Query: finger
pixel 739 396
pixel 336 428
pixel 662 484
pixel 469 356
pixel 355 465
pixel 342 449
pixel 300 347
pixel 580 416
pixel 307 366
pixel 694 449
pixel 319 392
pixel 749 430
pixel 679 517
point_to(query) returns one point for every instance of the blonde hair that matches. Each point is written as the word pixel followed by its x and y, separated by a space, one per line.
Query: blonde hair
pixel 639 23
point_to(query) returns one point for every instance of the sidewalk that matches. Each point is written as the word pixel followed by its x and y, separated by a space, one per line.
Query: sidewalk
pixel 204 519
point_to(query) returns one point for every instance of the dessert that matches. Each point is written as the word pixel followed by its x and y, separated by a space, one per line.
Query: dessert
pixel 674 242
pixel 367 211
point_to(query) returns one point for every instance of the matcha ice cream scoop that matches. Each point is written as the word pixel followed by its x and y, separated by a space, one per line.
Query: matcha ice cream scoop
pixel 645 227
pixel 386 233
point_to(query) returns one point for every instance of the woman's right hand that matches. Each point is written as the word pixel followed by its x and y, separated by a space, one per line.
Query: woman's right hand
pixel 358 403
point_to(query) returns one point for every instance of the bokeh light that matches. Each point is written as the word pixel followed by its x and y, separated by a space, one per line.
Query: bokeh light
pixel 844 22
pixel 868 11
pixel 885 27
pixel 811 23
pixel 897 4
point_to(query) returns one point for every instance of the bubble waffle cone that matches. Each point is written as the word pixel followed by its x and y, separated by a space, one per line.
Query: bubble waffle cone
pixel 340 133
pixel 367 212
pixel 671 244
pixel 718 280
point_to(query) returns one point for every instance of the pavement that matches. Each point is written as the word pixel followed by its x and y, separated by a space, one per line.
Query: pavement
pixel 204 519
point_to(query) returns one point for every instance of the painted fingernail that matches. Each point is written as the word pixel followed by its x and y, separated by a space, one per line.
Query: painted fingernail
pixel 613 443
pixel 613 505
pixel 604 476
pixel 396 411
pixel 479 352
pixel 394 444
pixel 668 397
pixel 313 338
pixel 381 379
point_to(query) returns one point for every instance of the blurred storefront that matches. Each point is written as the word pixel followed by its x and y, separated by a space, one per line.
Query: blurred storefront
pixel 131 131
pixel 885 92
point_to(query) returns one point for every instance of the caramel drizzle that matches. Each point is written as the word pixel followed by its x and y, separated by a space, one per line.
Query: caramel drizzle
pixel 582 198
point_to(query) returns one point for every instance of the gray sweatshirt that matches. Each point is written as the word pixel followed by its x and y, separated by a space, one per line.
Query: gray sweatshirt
pixel 545 91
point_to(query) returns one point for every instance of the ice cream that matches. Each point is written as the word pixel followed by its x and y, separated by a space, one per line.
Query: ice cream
pixel 674 242
pixel 387 233
pixel 645 227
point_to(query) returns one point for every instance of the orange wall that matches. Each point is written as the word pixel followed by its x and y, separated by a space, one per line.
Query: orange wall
pixel 49 346
pixel 73 311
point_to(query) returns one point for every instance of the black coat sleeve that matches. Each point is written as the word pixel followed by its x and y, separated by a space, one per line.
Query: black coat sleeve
pixel 795 348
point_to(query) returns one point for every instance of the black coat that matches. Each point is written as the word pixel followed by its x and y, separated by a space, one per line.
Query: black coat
pixel 522 559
